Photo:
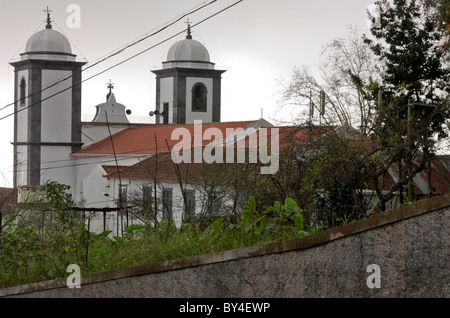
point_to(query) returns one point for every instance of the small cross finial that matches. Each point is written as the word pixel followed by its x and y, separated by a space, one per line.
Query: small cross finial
pixel 188 36
pixel 110 86
pixel 49 21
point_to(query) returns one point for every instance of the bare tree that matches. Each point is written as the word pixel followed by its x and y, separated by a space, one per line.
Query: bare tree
pixel 330 93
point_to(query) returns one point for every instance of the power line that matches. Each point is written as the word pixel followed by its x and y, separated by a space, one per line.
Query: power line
pixel 106 58
pixel 87 163
pixel 96 156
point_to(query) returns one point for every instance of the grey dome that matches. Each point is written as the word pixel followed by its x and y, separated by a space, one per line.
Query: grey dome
pixel 188 50
pixel 48 41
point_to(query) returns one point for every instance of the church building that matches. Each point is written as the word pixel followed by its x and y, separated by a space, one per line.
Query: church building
pixel 51 142
pixel 102 159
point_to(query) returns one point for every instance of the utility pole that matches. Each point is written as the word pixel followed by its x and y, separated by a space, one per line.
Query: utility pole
pixel 408 154
pixel 322 105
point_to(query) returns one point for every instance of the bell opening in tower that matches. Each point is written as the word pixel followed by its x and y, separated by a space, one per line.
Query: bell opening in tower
pixel 199 97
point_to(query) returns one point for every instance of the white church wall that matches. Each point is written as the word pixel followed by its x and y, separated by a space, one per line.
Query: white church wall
pixel 134 191
pixel 22 165
pixel 166 91
pixel 92 133
pixel 205 117
pixel 134 188
pixel 56 165
pixel 95 190
pixel 56 111
pixel 86 165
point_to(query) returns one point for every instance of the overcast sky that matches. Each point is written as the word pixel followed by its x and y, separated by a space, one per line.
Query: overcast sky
pixel 257 42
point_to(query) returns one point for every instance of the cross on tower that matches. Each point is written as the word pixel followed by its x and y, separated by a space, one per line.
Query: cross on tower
pixel 110 86
pixel 188 36
pixel 49 25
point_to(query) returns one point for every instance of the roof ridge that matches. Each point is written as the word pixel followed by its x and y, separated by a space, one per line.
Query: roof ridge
pixel 115 165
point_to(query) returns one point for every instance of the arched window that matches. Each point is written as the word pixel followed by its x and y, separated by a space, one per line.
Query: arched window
pixel 22 91
pixel 199 96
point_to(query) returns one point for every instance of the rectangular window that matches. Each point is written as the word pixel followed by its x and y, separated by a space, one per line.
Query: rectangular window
pixel 123 194
pixel 167 203
pixel 147 202
pixel 189 204
pixel 146 194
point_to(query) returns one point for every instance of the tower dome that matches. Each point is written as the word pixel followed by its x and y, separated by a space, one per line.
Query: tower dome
pixel 188 50
pixel 188 53
pixel 48 44
pixel 48 41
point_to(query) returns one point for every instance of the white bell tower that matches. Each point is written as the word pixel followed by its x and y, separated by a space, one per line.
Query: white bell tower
pixel 47 118
pixel 187 87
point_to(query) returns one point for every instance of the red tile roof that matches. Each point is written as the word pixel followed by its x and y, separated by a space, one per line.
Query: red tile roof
pixel 195 172
pixel 288 135
pixel 440 178
pixel 151 139
pixel 32 186
pixel 111 169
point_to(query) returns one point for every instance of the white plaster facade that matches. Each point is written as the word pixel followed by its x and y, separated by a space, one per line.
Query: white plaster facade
pixel 102 192
pixel 202 205
pixel 56 112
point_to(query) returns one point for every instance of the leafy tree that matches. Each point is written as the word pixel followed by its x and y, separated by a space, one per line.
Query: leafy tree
pixel 413 110
pixel 406 40
pixel 440 12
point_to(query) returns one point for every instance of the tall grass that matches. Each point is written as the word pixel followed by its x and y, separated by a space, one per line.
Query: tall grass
pixel 31 254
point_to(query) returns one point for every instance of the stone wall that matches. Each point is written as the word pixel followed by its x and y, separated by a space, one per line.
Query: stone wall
pixel 410 246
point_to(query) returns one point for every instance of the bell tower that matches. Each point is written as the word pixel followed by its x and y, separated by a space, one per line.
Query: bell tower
pixel 187 87
pixel 47 110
